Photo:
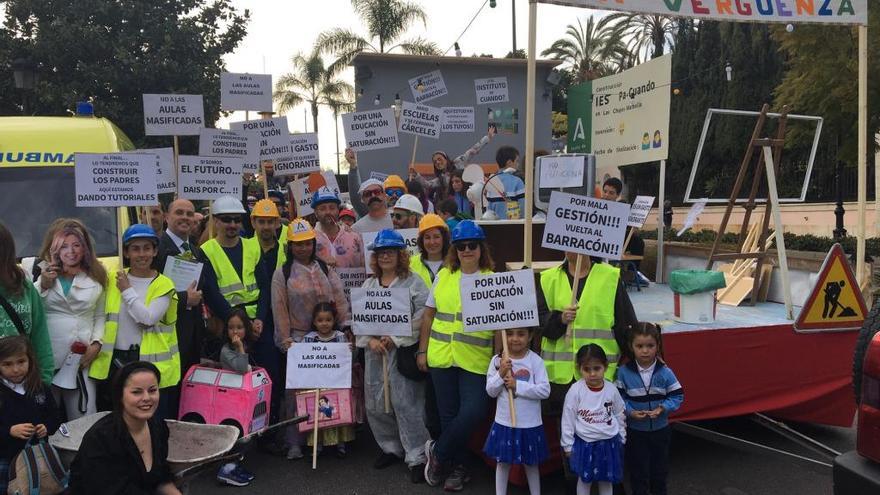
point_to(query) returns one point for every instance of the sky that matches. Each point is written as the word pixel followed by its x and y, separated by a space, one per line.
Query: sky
pixel 279 29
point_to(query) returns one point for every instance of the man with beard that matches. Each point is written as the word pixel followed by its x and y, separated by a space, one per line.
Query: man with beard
pixel 407 212
pixel 335 239
pixel 266 220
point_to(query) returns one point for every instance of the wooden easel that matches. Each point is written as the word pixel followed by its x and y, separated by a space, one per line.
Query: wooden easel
pixel 759 255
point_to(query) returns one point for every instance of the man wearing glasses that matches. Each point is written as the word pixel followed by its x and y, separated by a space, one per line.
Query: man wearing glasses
pixel 407 212
pixel 372 194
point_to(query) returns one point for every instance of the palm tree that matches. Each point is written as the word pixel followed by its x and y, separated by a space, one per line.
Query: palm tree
pixel 312 83
pixel 592 50
pixel 646 32
pixel 386 21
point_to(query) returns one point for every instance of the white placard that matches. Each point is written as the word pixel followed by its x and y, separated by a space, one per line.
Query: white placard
pixel 639 210
pixel 331 182
pixel 379 176
pixel 243 144
pixel 499 301
pixel 166 180
pixel 433 86
pixel 370 130
pixel 182 272
pixel 693 213
pixel 589 226
pixel 302 197
pixel 173 115
pixel 115 179
pixel 562 171
pixel 208 178
pixel 381 312
pixel 318 365
pixel 352 278
pixel 457 119
pixel 274 138
pixel 246 92
pixel 492 90
pixel 420 120
pixel 410 236
pixel 304 159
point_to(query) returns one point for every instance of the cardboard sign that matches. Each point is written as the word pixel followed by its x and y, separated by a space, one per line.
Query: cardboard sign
pixel 246 91
pixel 381 312
pixel 166 179
pixel 693 213
pixel 274 138
pixel 117 179
pixel 302 193
pixel 223 143
pixel 492 90
pixel 352 278
pixel 562 171
pixel 173 115
pixel 589 226
pixel 370 130
pixel 208 178
pixel 319 365
pixel 457 119
pixel 499 301
pixel 836 302
pixel 410 236
pixel 182 272
pixel 379 176
pixel 304 159
pixel 420 120
pixel 432 86
pixel 334 409
pixel 639 210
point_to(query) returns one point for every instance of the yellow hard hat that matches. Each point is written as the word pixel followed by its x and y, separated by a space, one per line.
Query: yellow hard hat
pixel 394 181
pixel 300 230
pixel 265 208
pixel 430 221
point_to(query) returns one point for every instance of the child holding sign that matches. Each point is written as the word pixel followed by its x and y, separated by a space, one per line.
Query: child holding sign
pixel 325 329
pixel 521 373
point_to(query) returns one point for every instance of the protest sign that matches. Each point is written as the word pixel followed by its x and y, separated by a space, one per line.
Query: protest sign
pixel 302 197
pixel 182 272
pixel 117 179
pixel 410 236
pixel 166 179
pixel 457 119
pixel 304 157
pixel 420 120
pixel 352 278
pixel 318 365
pixel 370 130
pixel 491 90
pixel 639 210
pixel 693 213
pixel 246 91
pixel 561 171
pixel 381 311
pixel 499 301
pixel 244 145
pixel 589 226
pixel 274 138
pixel 379 176
pixel 432 86
pixel 173 115
pixel 208 178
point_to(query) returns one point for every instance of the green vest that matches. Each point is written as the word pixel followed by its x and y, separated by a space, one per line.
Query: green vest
pixel 236 291
pixel 158 343
pixel 421 269
pixel 592 324
pixel 448 344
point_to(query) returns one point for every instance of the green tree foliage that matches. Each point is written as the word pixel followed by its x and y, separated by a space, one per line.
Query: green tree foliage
pixel 311 83
pixel 591 50
pixel 113 52
pixel 648 35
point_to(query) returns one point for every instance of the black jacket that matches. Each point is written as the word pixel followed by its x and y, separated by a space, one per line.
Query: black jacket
pixel 109 463
pixel 16 409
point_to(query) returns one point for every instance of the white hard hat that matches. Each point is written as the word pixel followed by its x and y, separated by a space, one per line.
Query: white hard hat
pixel 369 183
pixel 227 204
pixel 410 203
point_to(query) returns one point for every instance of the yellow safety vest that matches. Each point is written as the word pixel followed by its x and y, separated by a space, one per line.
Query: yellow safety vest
pixel 448 344
pixel 236 291
pixel 282 255
pixel 417 266
pixel 592 324
pixel 158 343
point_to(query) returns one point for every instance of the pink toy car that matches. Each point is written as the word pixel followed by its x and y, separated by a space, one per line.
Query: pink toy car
pixel 221 397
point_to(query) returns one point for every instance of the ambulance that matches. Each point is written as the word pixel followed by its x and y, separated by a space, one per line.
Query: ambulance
pixel 37 178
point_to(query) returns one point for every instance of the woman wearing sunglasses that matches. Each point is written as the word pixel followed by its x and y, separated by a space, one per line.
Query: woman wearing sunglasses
pixel 457 361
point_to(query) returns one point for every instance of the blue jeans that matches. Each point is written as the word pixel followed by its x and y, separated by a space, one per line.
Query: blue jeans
pixel 462 402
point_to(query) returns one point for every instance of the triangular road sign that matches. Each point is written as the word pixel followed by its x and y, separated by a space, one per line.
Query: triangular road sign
pixel 836 302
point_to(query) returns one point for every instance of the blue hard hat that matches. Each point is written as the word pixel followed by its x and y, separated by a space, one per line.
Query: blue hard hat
pixel 387 239
pixel 324 195
pixel 468 230
pixel 139 231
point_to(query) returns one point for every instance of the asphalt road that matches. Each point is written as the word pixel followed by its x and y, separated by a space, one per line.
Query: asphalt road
pixel 698 467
